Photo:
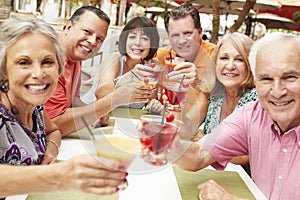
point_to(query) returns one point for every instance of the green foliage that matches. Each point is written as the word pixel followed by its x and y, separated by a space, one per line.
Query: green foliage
pixel 296 17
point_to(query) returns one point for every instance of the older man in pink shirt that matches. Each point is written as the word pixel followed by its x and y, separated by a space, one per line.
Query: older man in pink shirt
pixel 267 130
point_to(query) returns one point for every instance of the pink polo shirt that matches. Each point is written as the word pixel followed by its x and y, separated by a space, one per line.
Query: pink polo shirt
pixel 67 88
pixel 274 157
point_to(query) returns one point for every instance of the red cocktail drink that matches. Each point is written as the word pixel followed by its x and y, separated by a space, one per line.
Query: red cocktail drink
pixel 157 137
pixel 156 70
pixel 170 63
pixel 175 94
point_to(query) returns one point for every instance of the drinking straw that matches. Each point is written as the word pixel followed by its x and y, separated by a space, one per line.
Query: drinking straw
pixel 162 126
pixel 88 128
pixel 136 76
pixel 181 81
pixel 163 114
pixel 170 58
pixel 180 84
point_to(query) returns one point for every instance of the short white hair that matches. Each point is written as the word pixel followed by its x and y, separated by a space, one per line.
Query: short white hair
pixel 265 41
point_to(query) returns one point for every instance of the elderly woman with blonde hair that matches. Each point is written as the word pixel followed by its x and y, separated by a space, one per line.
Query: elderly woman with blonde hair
pixel 31 60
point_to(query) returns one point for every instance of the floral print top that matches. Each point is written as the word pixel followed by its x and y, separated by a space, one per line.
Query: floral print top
pixel 18 144
pixel 212 118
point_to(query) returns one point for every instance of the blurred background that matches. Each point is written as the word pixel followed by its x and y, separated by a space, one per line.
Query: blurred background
pixel 252 17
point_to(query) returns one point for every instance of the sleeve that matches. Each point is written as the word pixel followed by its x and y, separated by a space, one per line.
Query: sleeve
pixel 57 104
pixel 77 93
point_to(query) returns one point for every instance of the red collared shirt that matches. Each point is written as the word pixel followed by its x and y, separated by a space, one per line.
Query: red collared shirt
pixel 67 88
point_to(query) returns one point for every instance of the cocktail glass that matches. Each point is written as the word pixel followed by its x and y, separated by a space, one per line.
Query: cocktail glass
pixel 175 92
pixel 156 70
pixel 157 136
pixel 115 150
pixel 170 62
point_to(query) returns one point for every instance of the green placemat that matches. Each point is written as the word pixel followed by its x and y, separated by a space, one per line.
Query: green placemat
pixel 71 196
pixel 130 113
pixel 188 182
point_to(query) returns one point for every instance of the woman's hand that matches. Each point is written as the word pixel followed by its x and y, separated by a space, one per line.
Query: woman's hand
pixel 155 106
pixel 103 121
pixel 86 174
pixel 132 92
pixel 142 71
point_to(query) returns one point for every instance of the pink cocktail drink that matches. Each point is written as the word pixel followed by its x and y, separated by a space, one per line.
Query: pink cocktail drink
pixel 157 138
pixel 156 71
pixel 175 94
pixel 175 97
pixel 170 63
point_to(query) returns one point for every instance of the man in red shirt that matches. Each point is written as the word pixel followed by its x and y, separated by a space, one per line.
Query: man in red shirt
pixel 81 39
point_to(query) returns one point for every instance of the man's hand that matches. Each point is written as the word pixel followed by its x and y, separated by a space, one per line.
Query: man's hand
pixel 211 190
pixel 103 121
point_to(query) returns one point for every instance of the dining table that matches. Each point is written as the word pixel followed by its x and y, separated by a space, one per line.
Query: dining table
pixel 145 181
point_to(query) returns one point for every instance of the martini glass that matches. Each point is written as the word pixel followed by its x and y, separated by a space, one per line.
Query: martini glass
pixel 159 136
pixel 156 70
pixel 115 151
pixel 175 92
pixel 170 62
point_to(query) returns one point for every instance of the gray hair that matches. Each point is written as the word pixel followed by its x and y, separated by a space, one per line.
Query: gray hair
pixel 13 28
pixel 266 41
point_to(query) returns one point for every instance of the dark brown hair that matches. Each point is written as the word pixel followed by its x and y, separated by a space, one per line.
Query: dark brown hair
pixel 80 11
pixel 181 12
pixel 148 28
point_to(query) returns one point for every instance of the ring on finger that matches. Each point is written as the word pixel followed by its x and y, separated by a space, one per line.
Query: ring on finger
pixel 200 197
pixel 122 186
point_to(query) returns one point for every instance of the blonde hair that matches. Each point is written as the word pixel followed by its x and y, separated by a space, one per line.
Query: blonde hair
pixel 13 28
pixel 242 43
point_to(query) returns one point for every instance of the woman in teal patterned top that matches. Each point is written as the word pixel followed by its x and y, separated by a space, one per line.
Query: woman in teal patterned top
pixel 215 107
pixel 234 85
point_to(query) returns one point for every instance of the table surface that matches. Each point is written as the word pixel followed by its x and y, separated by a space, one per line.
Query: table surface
pixel 166 183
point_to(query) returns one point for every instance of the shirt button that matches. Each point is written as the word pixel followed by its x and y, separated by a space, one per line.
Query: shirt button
pixel 280 177
pixel 284 150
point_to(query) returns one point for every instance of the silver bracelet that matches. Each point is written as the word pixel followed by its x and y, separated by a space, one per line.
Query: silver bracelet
pixel 116 82
pixel 54 143
pixel 188 138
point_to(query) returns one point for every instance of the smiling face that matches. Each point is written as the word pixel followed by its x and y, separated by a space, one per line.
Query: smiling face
pixel 83 39
pixel 31 69
pixel 185 38
pixel 137 44
pixel 278 82
pixel 231 70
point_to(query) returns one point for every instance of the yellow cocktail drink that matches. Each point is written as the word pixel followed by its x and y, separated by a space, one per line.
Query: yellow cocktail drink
pixel 117 150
